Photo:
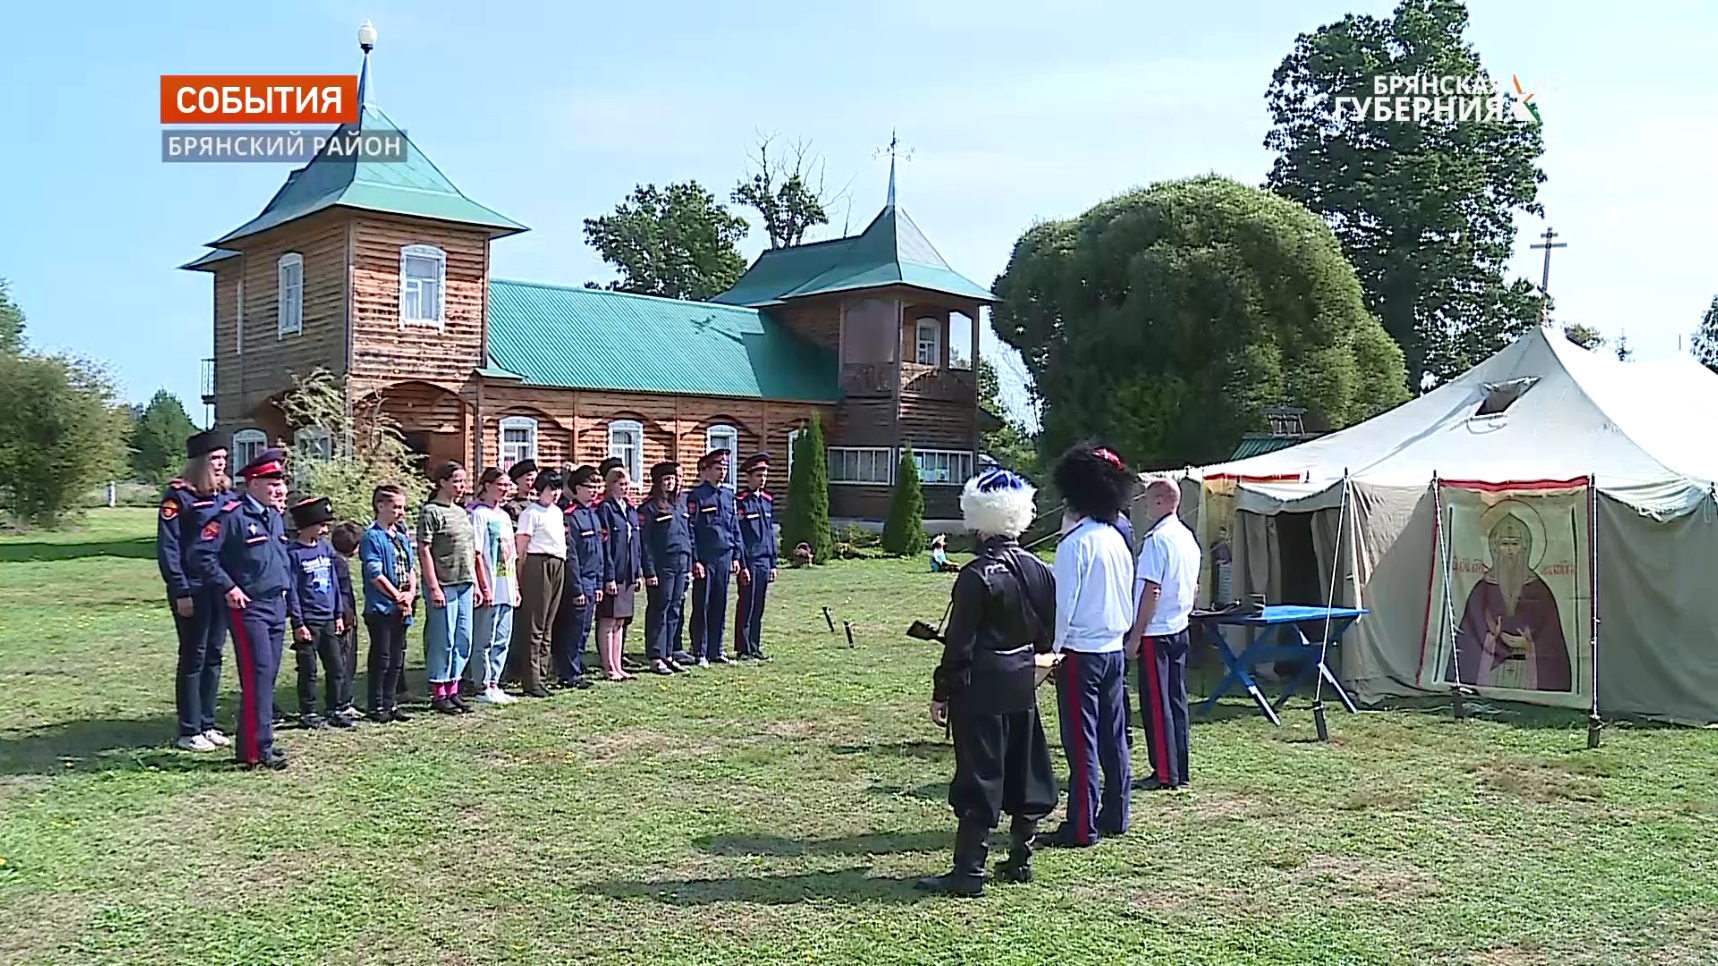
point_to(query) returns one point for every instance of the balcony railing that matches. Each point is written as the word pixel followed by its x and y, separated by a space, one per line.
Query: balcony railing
pixel 868 379
pixel 208 382
pixel 930 382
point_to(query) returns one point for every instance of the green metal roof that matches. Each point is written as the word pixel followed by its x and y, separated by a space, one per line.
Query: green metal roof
pixel 549 335
pixel 207 259
pixel 1258 444
pixel 413 187
pixel 890 251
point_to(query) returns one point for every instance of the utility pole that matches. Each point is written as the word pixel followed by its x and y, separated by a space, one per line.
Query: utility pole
pixel 1545 277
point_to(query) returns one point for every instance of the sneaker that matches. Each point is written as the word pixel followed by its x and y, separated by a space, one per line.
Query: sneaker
pixel 661 667
pixel 198 743
pixel 341 719
pixel 396 714
pixel 676 666
pixel 720 659
pixel 216 738
pixel 312 721
pixel 681 657
pixel 703 662
pixel 492 696
pixel 761 657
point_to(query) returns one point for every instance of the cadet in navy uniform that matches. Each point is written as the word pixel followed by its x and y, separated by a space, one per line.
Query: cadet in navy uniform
pixel 242 553
pixel 715 549
pixel 585 562
pixel 666 535
pixel 199 614
pixel 756 509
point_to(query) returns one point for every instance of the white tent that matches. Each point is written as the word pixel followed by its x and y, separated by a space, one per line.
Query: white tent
pixel 1544 409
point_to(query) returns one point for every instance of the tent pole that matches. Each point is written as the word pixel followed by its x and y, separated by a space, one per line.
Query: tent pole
pixel 1595 723
pixel 1318 719
pixel 1446 520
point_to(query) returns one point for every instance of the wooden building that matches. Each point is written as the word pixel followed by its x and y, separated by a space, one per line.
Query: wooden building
pixel 380 273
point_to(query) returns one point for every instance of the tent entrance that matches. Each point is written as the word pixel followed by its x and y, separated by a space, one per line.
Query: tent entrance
pixel 1298 563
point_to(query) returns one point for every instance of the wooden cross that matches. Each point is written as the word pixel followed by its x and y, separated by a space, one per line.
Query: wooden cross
pixel 1545 277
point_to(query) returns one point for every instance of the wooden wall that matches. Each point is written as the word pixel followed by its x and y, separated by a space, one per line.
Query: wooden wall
pixel 384 352
pixel 817 320
pixel 229 367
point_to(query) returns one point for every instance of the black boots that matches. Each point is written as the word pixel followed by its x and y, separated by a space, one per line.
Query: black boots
pixel 967 877
pixel 1018 866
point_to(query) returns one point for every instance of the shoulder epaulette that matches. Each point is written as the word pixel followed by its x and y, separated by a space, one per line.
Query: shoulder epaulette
pixel 177 484
pixel 765 494
pixel 231 505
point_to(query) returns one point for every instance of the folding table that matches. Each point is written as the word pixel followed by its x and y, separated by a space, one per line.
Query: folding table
pixel 1286 632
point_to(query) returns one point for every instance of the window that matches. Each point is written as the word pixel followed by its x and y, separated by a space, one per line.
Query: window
pixel 943 465
pixel 793 436
pixel 930 342
pixel 518 440
pixel 290 319
pixel 239 334
pixel 724 437
pixel 309 444
pixel 423 277
pixel 247 445
pixel 626 442
pixel 1499 396
pixel 860 464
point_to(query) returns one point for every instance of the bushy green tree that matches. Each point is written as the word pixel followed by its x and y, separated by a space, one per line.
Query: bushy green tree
pixel 363 448
pixel 807 518
pixel 158 438
pixel 1167 318
pixel 904 530
pixel 677 242
pixel 62 431
pixel 11 323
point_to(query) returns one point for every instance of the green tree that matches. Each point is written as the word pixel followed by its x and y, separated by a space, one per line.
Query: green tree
pixel 1425 211
pixel 11 323
pixel 808 497
pixel 1584 336
pixel 158 437
pixel 1705 343
pixel 677 242
pixel 1009 444
pixel 904 530
pixel 1621 347
pixel 62 431
pixel 782 192
pixel 1166 318
pixel 360 447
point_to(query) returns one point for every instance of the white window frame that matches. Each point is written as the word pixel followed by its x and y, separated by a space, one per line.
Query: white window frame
pixel 837 457
pixel 247 445
pixel 239 333
pixel 289 299
pixel 438 313
pixel 952 467
pixel 635 459
pixel 934 342
pixel 793 436
pixel 730 435
pixel 510 451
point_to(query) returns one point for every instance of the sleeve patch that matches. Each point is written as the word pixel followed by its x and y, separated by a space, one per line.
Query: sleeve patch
pixel 169 509
pixel 211 530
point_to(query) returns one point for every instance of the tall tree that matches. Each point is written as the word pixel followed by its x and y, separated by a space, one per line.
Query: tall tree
pixel 1584 336
pixel 1706 337
pixel 11 323
pixel 1621 348
pixel 158 437
pixel 62 431
pixel 808 496
pixel 1009 443
pixel 904 529
pixel 1424 210
pixel 787 191
pixel 1166 318
pixel 677 242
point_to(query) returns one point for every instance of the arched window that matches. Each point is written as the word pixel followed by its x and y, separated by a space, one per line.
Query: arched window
pixel 518 439
pixel 289 272
pixel 626 443
pixel 723 436
pixel 423 284
pixel 930 342
pixel 247 444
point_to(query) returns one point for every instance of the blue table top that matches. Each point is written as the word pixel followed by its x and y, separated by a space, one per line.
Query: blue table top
pixel 1292 614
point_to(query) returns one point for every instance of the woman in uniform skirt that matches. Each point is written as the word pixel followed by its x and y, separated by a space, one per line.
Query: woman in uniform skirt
pixel 623 571
pixel 984 689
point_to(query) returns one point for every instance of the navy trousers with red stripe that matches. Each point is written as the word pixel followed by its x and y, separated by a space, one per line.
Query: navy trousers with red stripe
pixel 1163 705
pixel 1091 697
pixel 749 609
pixel 259 631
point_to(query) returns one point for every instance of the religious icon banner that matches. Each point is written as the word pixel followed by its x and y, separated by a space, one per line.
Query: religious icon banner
pixel 1516 619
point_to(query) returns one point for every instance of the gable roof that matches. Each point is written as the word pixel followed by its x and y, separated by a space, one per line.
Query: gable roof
pixel 206 261
pixel 414 187
pixel 890 251
pixel 551 335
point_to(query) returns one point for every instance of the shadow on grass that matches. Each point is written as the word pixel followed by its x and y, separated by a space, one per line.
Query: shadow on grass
pixel 854 886
pixel 116 744
pixel 930 792
pixel 932 750
pixel 877 843
pixel 142 548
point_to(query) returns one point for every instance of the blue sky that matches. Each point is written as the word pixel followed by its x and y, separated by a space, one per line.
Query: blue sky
pixel 551 112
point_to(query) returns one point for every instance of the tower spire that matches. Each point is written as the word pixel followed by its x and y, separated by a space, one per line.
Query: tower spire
pixel 893 141
pixel 366 42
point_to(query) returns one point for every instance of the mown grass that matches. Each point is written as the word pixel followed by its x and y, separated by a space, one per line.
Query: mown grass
pixel 778 814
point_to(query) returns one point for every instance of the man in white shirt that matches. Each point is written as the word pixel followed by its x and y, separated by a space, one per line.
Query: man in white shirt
pixel 1094 583
pixel 1165 583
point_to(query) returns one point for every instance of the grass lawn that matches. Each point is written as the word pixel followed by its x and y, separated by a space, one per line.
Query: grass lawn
pixel 777 814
